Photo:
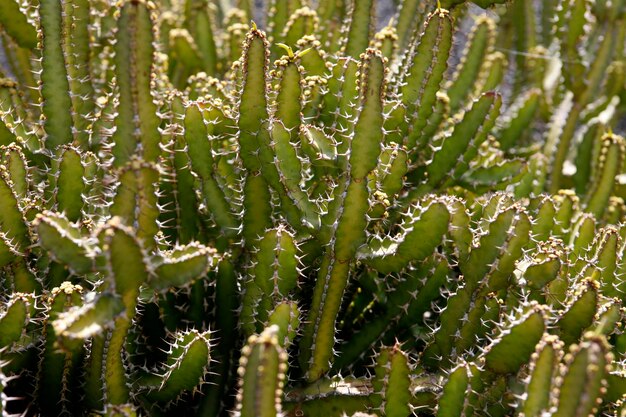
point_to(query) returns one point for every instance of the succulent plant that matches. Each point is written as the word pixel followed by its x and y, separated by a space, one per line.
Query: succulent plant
pixel 316 219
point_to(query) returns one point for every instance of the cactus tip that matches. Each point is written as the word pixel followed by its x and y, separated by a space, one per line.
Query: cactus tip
pixel 302 53
pixel 286 48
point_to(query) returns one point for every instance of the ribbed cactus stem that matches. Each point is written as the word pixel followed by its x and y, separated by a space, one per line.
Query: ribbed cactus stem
pixel 516 343
pixel 76 16
pixel 583 378
pixel 426 63
pixel 137 123
pixel 479 44
pixel 187 363
pixel 203 164
pixel 319 338
pixel 262 373
pixel 55 88
pixel 253 136
pixel 15 317
pixel 452 399
pixel 135 201
pixel 392 382
pixel 361 26
pixel 58 367
pixel 66 243
pixel 608 165
pixel 70 184
pixel 127 271
pixel 16 24
pixel 181 193
pixel 544 364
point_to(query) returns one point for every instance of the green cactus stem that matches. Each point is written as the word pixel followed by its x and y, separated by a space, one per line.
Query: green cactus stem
pixel 55 88
pixel 137 121
pixel 426 65
pixel 262 373
pixel 186 366
pixel 332 280
pixel 582 378
pixel 609 163
pixel 202 163
pixel 14 319
pixel 361 27
pixel 479 45
pixel 516 344
pixel 17 25
pixel 392 382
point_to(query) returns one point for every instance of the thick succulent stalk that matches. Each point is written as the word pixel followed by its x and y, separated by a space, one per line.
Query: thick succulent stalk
pixel 466 78
pixel 76 46
pixel 135 201
pixel 137 123
pixel 453 397
pixel 202 163
pixel 253 137
pixel 186 367
pixel 127 269
pixel 361 27
pixel 318 340
pixel 201 20
pixel 274 277
pixel 16 24
pixel 594 76
pixel 16 316
pixel 609 163
pixel 58 368
pixel 582 378
pixel 426 63
pixel 543 366
pixel 392 382
pixel 55 88
pixel 451 160
pixel 262 373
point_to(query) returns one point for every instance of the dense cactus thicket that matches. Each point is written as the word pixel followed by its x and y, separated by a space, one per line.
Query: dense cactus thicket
pixel 202 216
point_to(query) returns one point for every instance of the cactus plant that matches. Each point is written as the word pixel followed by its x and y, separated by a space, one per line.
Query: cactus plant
pixel 203 215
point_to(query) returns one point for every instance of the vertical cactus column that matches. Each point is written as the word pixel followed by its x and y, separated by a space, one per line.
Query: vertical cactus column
pixel 608 165
pixel 78 62
pixel 253 136
pixel 392 382
pixel 262 374
pixel 55 86
pixel 319 334
pixel 16 24
pixel 127 270
pixel 426 63
pixel 362 17
pixel 202 162
pixel 137 123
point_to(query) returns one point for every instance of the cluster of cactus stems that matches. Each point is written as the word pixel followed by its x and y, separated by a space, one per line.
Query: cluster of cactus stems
pixel 320 218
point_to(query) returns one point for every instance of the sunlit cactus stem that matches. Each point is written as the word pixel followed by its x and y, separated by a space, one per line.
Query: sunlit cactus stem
pixel 136 122
pixel 55 88
pixel 332 280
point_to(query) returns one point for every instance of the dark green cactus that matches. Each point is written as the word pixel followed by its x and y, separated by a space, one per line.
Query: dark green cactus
pixel 200 217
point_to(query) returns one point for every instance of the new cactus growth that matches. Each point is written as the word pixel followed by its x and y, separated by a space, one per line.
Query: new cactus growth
pixel 318 215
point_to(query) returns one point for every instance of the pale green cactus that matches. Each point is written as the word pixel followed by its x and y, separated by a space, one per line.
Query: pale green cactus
pixel 324 219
